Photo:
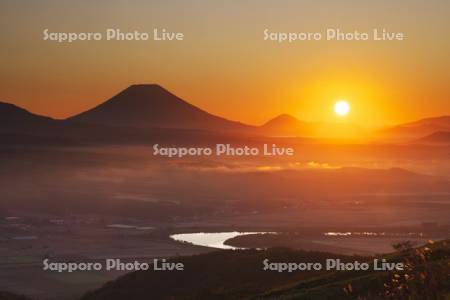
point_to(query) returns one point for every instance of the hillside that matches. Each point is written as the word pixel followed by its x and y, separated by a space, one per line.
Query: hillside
pixel 11 296
pixel 239 275
pixel 425 277
pixel 16 119
pixel 215 275
pixel 440 137
pixel 417 129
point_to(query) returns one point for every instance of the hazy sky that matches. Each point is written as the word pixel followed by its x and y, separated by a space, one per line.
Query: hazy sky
pixel 224 66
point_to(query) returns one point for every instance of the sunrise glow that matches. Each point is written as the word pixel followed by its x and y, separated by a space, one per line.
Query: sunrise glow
pixel 342 108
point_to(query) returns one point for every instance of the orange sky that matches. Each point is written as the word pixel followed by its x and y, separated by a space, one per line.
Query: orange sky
pixel 224 66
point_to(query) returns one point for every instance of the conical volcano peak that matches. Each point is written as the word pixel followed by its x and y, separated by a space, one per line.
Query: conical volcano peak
pixel 151 105
pixel 145 90
pixel 140 97
pixel 145 87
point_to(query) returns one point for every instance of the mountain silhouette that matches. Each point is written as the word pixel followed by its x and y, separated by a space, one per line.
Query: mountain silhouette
pixel 21 127
pixel 439 137
pixel 14 118
pixel 147 110
pixel 150 105
pixel 286 125
pixel 418 128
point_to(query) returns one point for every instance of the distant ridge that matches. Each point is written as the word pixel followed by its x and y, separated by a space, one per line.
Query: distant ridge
pixel 150 105
pixel 417 129
pixel 143 108
pixel 440 137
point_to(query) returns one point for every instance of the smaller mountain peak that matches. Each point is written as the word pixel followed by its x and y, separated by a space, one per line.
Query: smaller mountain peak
pixel 284 118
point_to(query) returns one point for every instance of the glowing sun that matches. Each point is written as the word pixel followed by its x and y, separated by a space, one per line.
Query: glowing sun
pixel 341 108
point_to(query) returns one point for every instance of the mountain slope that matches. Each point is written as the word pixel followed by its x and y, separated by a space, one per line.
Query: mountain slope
pixel 19 126
pixel 425 277
pixel 417 129
pixel 239 275
pixel 11 296
pixel 14 118
pixel 215 275
pixel 440 137
pixel 150 105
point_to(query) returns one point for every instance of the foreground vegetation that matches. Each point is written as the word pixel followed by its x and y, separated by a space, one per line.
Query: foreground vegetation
pixel 426 276
pixel 240 275
pixel 11 296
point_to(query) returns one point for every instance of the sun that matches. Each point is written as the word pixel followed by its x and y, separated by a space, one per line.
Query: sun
pixel 342 108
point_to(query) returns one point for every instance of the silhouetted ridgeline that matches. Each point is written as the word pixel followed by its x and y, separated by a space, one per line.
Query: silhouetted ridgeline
pixel 439 137
pixel 147 112
pixel 151 106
